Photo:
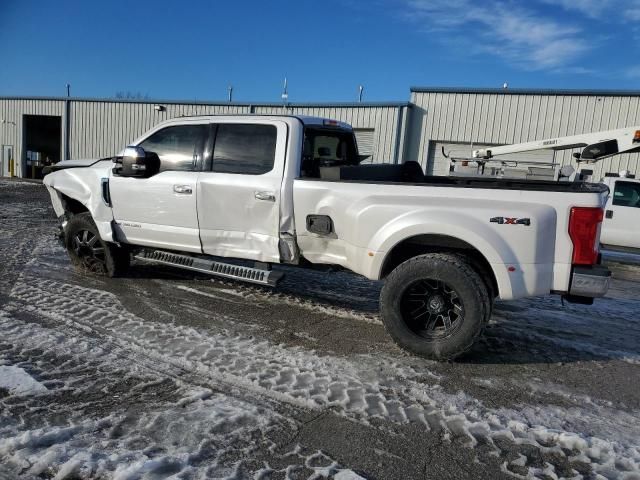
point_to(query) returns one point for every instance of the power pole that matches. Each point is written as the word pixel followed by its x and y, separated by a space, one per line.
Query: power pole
pixel 285 92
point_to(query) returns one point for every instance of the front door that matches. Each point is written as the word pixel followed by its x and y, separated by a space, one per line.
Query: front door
pixel 5 161
pixel 161 211
pixel 622 215
pixel 239 193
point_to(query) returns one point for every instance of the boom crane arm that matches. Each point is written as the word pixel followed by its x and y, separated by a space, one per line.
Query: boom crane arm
pixel 597 145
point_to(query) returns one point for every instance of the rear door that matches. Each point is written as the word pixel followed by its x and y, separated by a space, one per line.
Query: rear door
pixel 622 215
pixel 161 211
pixel 239 191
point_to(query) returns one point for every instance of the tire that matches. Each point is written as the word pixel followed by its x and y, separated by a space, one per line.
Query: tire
pixel 89 253
pixel 435 305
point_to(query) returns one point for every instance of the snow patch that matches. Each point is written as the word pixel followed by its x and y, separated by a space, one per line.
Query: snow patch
pixel 18 382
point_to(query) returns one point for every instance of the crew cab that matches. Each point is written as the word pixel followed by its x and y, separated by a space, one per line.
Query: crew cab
pixel 210 193
pixel 620 230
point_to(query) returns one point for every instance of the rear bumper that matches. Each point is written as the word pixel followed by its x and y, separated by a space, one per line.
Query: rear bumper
pixel 590 282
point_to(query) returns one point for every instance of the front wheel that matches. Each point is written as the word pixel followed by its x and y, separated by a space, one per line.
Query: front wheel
pixel 89 253
pixel 435 305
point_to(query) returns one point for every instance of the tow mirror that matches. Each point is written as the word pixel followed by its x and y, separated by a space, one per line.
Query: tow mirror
pixel 135 162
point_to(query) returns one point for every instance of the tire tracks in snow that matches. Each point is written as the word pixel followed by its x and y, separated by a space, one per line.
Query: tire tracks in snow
pixel 364 389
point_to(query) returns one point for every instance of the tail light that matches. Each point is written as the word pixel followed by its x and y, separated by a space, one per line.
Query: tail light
pixel 584 226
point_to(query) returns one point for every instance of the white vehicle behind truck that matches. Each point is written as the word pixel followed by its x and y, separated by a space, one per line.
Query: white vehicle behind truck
pixel 621 227
pixel 210 193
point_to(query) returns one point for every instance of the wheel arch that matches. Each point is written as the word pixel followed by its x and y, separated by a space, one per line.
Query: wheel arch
pixel 79 190
pixel 72 206
pixel 419 244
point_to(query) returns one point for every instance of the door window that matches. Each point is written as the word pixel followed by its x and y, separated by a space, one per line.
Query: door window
pixel 244 149
pixel 179 147
pixel 627 194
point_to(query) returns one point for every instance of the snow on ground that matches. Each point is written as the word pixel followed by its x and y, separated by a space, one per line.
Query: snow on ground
pixel 89 389
pixel 18 382
pixel 363 388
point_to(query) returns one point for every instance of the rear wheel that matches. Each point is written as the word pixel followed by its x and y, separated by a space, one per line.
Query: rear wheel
pixel 435 305
pixel 89 252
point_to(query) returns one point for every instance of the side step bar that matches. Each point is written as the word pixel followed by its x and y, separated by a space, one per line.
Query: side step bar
pixel 205 265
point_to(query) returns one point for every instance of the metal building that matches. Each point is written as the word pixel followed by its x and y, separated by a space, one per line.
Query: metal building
pixel 37 131
pixel 462 119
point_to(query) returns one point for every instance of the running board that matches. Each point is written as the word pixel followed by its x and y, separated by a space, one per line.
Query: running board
pixel 204 265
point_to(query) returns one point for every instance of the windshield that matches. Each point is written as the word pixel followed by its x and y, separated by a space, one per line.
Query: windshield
pixel 327 147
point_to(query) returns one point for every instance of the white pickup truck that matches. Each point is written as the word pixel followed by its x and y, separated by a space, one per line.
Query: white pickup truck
pixel 621 228
pixel 291 190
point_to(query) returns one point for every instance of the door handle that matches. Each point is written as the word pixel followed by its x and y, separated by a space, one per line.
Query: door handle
pixel 183 189
pixel 268 196
pixel 608 214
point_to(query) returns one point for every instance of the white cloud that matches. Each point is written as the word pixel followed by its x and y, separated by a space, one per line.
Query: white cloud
pixel 519 35
pixel 633 12
pixel 590 8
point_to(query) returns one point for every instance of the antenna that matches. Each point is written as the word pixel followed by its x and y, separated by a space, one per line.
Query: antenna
pixel 68 89
pixel 230 93
pixel 285 92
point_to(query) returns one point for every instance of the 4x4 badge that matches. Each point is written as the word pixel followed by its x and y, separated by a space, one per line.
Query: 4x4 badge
pixel 511 221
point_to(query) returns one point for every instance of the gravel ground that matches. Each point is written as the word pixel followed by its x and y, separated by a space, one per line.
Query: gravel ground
pixel 170 374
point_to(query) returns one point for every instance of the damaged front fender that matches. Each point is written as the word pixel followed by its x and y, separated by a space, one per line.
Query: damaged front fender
pixel 82 185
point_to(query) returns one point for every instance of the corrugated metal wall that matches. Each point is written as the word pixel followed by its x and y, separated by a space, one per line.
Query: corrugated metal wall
pixel 11 122
pixel 100 128
pixel 383 120
pixel 504 118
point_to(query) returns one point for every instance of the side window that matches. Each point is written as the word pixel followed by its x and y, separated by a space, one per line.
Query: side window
pixel 179 147
pixel 627 194
pixel 246 149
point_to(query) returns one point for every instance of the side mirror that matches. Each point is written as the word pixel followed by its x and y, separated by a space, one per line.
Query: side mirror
pixel 135 162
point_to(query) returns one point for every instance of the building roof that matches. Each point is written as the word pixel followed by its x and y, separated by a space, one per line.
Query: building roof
pixel 212 102
pixel 528 91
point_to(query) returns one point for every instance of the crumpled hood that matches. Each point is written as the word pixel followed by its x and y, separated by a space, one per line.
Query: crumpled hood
pixel 75 163
pixel 66 164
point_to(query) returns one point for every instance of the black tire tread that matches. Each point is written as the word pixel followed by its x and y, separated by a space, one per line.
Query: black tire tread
pixel 460 262
pixel 117 259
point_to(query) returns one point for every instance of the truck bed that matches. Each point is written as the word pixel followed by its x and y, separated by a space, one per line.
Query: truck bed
pixel 410 173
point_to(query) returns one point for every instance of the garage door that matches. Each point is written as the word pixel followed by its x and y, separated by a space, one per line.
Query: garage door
pixel 437 164
pixel 366 145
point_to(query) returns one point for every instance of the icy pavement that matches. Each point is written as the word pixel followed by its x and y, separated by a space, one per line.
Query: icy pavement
pixel 172 375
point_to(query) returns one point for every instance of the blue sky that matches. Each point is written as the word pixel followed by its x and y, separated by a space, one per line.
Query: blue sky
pixel 195 49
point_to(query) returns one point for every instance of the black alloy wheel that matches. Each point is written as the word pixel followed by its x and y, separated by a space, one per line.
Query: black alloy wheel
pixel 432 309
pixel 87 247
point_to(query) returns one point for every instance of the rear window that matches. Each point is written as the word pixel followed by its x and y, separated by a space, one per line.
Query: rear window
pixel 327 148
pixel 247 149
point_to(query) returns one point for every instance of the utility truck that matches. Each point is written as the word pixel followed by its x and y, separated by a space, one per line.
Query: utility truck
pixel 234 196
pixel 620 229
